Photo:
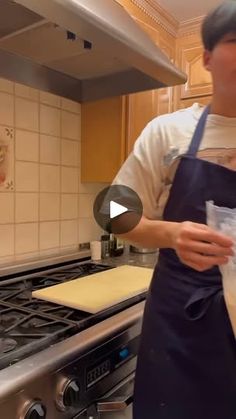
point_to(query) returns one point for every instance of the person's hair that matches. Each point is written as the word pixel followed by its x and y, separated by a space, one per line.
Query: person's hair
pixel 218 23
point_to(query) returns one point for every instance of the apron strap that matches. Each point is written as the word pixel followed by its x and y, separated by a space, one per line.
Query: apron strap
pixel 198 134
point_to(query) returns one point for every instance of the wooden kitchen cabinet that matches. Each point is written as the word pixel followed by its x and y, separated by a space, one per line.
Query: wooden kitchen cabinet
pixel 142 107
pixel 203 100
pixel 111 126
pixel 103 139
pixel 198 87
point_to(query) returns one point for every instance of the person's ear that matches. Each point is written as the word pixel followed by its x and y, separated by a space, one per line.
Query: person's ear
pixel 207 59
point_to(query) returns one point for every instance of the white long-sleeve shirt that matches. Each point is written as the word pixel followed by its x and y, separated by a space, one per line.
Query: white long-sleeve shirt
pixel 150 168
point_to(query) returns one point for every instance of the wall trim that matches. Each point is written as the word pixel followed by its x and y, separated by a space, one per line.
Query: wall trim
pixel 159 15
pixel 167 21
pixel 190 27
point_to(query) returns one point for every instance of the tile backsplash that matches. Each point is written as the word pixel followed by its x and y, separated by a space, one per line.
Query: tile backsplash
pixel 44 208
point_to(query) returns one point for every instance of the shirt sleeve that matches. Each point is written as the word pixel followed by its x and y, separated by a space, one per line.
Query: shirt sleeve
pixel 142 171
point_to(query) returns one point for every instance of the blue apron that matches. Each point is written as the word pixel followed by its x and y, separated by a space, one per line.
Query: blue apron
pixel 187 360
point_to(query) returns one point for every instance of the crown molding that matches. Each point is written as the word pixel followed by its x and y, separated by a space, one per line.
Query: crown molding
pixel 159 15
pixel 190 27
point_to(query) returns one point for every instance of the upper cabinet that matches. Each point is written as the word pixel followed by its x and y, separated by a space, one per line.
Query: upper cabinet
pixel 189 57
pixel 103 139
pixel 144 106
pixel 111 126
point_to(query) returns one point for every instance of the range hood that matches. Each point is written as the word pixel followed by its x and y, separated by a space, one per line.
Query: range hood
pixel 80 49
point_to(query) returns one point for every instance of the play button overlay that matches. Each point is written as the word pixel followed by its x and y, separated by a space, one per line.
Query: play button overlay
pixel 117 209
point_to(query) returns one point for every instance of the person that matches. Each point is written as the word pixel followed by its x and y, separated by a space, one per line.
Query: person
pixel 186 365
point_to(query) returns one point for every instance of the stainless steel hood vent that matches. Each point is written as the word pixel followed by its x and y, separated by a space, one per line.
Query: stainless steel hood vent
pixel 81 49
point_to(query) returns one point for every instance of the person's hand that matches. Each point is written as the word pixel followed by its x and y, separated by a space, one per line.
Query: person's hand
pixel 199 246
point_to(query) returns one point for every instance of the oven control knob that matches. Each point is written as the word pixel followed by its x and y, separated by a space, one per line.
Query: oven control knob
pixel 71 394
pixel 36 411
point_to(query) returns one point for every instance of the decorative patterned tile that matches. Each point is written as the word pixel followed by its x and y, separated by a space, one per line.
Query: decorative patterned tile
pixel 6 158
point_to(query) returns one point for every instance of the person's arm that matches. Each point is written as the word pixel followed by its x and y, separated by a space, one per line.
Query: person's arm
pixel 196 245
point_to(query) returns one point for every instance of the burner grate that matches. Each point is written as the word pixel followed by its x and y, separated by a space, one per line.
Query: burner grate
pixel 28 325
pixel 23 332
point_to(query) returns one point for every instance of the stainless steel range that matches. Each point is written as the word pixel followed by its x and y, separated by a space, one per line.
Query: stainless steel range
pixel 57 362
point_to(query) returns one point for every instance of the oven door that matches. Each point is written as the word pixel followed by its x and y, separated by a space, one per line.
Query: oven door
pixel 116 404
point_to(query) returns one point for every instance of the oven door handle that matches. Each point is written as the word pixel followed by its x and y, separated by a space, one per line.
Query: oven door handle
pixel 114 404
pixel 113 401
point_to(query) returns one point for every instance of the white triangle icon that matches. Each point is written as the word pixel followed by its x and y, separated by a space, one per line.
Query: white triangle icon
pixel 116 209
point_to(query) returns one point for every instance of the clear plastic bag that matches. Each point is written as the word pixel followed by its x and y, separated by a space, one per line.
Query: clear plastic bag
pixel 223 220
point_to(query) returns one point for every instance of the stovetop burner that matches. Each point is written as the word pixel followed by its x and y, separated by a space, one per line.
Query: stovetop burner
pixel 28 325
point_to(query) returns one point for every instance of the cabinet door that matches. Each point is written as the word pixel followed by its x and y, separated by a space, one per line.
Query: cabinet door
pixel 102 139
pixel 165 95
pixel 144 106
pixel 141 108
pixel 199 80
pixel 203 100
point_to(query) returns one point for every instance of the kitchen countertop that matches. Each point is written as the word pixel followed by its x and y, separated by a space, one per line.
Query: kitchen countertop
pixel 147 260
pixel 137 259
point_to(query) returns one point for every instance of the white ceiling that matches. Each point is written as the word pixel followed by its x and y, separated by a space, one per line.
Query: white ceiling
pixel 184 10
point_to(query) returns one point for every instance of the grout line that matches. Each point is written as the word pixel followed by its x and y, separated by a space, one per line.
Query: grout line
pixel 14 157
pixel 39 172
pixel 60 179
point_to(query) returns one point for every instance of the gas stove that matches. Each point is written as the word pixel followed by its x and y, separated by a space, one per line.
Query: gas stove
pixel 56 362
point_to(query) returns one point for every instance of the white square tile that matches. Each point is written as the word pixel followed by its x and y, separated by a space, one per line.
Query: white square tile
pixel 7 159
pixel 88 230
pixel 49 252
pixel 69 232
pixel 27 145
pixel 7 260
pixel 7 208
pixel 49 206
pixel 70 153
pixel 26 92
pixel 7 239
pixel 49 235
pixel 27 177
pixel 70 105
pixel 86 202
pixel 49 120
pixel 69 206
pixel 70 125
pixel 27 257
pixel 49 149
pixel 91 188
pixel 6 86
pixel 26 238
pixel 69 179
pixel 49 178
pixel 27 114
pixel 27 207
pixel 6 109
pixel 50 99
